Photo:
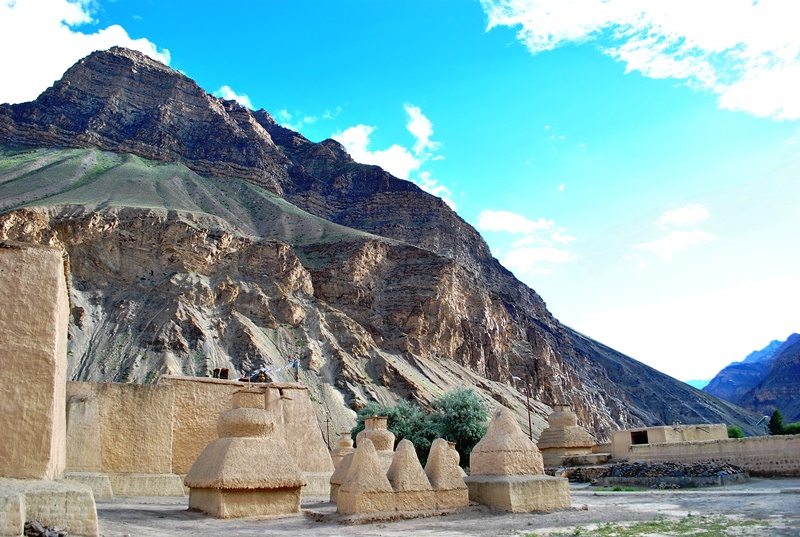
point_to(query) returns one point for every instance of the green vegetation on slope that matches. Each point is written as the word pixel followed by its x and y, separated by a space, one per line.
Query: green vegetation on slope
pixel 96 180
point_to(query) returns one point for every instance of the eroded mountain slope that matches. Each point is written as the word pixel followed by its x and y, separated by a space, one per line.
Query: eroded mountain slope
pixel 279 248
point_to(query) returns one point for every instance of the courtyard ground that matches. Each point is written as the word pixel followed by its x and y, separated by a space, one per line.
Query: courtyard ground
pixel 761 507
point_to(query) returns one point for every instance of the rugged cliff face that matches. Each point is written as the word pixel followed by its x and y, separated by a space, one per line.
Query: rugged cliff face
pixel 204 235
pixel 780 387
pixel 764 380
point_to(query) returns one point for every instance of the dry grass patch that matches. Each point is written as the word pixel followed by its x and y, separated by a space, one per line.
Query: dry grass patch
pixel 694 525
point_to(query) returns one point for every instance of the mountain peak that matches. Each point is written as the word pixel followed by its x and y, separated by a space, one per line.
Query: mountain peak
pixel 379 288
pixel 124 101
pixel 764 354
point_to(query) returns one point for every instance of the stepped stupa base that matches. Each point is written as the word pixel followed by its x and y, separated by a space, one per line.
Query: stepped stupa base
pixel 520 493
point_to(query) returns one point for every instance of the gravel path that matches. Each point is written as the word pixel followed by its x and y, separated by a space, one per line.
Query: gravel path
pixel 775 501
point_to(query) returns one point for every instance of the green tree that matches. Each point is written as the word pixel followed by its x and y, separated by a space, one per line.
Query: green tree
pixel 412 422
pixel 458 416
pixel 461 418
pixel 776 422
pixel 734 431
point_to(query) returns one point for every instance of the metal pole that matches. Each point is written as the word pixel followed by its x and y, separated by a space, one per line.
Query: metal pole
pixel 528 402
pixel 328 428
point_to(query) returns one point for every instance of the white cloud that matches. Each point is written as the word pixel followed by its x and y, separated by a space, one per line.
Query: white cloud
pixel 327 114
pixel 432 186
pixel 542 246
pixel 511 222
pixel 689 215
pixel 287 120
pixel 560 237
pixel 225 92
pixel 399 160
pixel 422 129
pixel 747 52
pixel 39 42
pixel 675 241
pixel 396 160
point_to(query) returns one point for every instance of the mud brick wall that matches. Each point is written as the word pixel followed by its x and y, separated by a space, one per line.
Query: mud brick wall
pixel 759 455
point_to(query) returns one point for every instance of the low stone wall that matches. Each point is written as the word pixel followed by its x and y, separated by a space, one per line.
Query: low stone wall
pixel 759 455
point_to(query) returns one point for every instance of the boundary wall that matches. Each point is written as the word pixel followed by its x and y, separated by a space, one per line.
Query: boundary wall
pixel 770 456
pixel 139 440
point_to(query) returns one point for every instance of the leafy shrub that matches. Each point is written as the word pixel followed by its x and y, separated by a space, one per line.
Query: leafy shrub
pixel 734 431
pixel 461 418
pixel 792 428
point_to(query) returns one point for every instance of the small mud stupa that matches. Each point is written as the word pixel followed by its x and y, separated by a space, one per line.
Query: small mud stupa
pixel 446 476
pixel 412 490
pixel 247 471
pixel 507 472
pixel 563 437
pixel 366 489
pixel 344 447
pixel 376 428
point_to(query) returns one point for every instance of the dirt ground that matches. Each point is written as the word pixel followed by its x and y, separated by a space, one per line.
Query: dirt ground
pixel 776 502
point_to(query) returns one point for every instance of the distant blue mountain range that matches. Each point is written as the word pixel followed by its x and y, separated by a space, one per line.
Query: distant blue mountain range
pixel 766 379
pixel 699 384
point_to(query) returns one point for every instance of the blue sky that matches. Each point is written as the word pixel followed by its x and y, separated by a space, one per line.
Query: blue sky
pixel 636 163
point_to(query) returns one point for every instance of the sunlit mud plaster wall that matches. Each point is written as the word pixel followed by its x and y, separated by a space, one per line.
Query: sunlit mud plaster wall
pixel 163 428
pixel 759 455
pixel 33 323
pixel 135 427
pixel 622 440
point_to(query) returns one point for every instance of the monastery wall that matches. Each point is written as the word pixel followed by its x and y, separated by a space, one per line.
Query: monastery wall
pixel 135 427
pixel 197 405
pixel 161 429
pixel 33 323
pixel 759 455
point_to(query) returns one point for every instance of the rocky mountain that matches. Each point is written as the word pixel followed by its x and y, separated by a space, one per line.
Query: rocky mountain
pixel 780 388
pixel 765 380
pixel 201 235
pixel 736 379
pixel 763 355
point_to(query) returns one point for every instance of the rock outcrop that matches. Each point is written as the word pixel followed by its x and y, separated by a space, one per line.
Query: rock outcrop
pixel 204 235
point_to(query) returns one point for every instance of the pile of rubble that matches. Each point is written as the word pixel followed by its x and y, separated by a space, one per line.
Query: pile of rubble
pixel 34 528
pixel 672 469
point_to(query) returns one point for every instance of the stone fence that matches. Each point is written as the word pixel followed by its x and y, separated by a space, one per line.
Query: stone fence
pixel 759 455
